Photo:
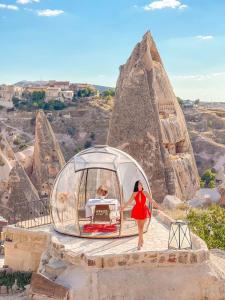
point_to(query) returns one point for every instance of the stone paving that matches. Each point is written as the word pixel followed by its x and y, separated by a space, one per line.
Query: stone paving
pixel 156 239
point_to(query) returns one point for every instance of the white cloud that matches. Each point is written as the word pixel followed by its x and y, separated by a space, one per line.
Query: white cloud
pixel 182 6
pixel 161 4
pixel 49 12
pixel 26 1
pixel 204 37
pixel 8 6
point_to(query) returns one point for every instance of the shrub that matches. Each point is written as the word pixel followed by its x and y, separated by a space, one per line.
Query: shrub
pixel 208 178
pixel 209 225
pixel 8 278
pixel 22 147
pixel 212 184
pixel 210 123
pixel 92 136
pixel 2 163
pixel 71 131
pixel 87 144
pixel 108 93
pixel 77 150
pixel 202 183
pixel 17 141
pixel 180 101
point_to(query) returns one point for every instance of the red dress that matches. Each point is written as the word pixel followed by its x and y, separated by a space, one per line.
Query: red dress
pixel 140 210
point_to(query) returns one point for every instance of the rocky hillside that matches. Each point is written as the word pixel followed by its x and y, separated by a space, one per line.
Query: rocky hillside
pixel 206 126
pixel 74 127
pixel 88 122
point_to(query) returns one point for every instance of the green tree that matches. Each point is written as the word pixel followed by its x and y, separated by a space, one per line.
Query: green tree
pixel 180 101
pixel 208 177
pixel 86 92
pixel 16 101
pixel 108 93
pixel 197 101
pixel 38 96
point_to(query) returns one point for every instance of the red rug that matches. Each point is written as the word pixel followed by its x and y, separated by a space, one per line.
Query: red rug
pixel 88 228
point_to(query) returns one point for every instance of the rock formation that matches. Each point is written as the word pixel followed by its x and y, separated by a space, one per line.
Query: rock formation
pixel 148 123
pixel 23 197
pixel 206 127
pixel 17 193
pixel 7 162
pixel 48 158
pixel 7 159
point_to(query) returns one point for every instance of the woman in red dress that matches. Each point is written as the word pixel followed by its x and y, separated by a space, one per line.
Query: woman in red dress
pixel 140 211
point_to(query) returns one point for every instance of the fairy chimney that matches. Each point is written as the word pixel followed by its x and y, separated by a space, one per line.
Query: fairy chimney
pixel 23 200
pixel 148 123
pixel 48 158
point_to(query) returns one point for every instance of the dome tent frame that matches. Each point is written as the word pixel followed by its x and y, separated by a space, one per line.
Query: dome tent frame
pixel 101 159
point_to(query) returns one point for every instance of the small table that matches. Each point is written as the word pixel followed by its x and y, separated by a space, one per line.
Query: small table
pixel 92 203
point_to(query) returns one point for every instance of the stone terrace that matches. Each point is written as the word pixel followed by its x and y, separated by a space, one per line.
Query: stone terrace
pixel 103 253
pixel 100 253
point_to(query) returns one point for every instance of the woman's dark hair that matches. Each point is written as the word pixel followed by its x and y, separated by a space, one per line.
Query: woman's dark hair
pixel 136 186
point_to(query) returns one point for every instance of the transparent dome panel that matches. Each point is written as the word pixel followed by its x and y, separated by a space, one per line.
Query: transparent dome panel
pixel 99 203
pixel 89 191
pixel 65 201
pixel 95 160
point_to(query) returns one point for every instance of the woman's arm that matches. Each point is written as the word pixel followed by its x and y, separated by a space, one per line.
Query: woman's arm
pixel 154 203
pixel 128 202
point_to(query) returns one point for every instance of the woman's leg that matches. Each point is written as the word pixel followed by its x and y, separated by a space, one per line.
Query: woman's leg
pixel 142 223
pixel 139 233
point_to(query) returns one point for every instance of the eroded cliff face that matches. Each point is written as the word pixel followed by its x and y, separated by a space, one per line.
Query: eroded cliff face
pixel 148 123
pixel 48 158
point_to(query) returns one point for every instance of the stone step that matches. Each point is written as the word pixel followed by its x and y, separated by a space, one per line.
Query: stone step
pixel 55 267
pixel 44 289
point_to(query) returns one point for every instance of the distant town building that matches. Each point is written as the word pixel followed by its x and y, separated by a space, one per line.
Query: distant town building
pixel 53 93
pixel 63 85
pixel 67 96
pixel 31 89
pixel 7 92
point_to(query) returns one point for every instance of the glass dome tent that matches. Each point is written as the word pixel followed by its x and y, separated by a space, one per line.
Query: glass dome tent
pixel 76 208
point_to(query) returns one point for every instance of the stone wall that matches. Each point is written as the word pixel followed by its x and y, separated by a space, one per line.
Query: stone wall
pixel 23 248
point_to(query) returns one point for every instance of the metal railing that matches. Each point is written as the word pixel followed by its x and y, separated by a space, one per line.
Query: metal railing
pixel 32 214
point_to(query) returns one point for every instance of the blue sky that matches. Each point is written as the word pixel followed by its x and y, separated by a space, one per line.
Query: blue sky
pixel 87 41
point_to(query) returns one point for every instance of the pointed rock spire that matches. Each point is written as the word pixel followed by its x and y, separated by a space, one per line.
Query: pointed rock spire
pixel 22 196
pixel 7 158
pixel 17 191
pixel 48 158
pixel 148 123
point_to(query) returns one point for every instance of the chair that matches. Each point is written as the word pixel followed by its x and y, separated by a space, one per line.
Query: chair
pixel 102 213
